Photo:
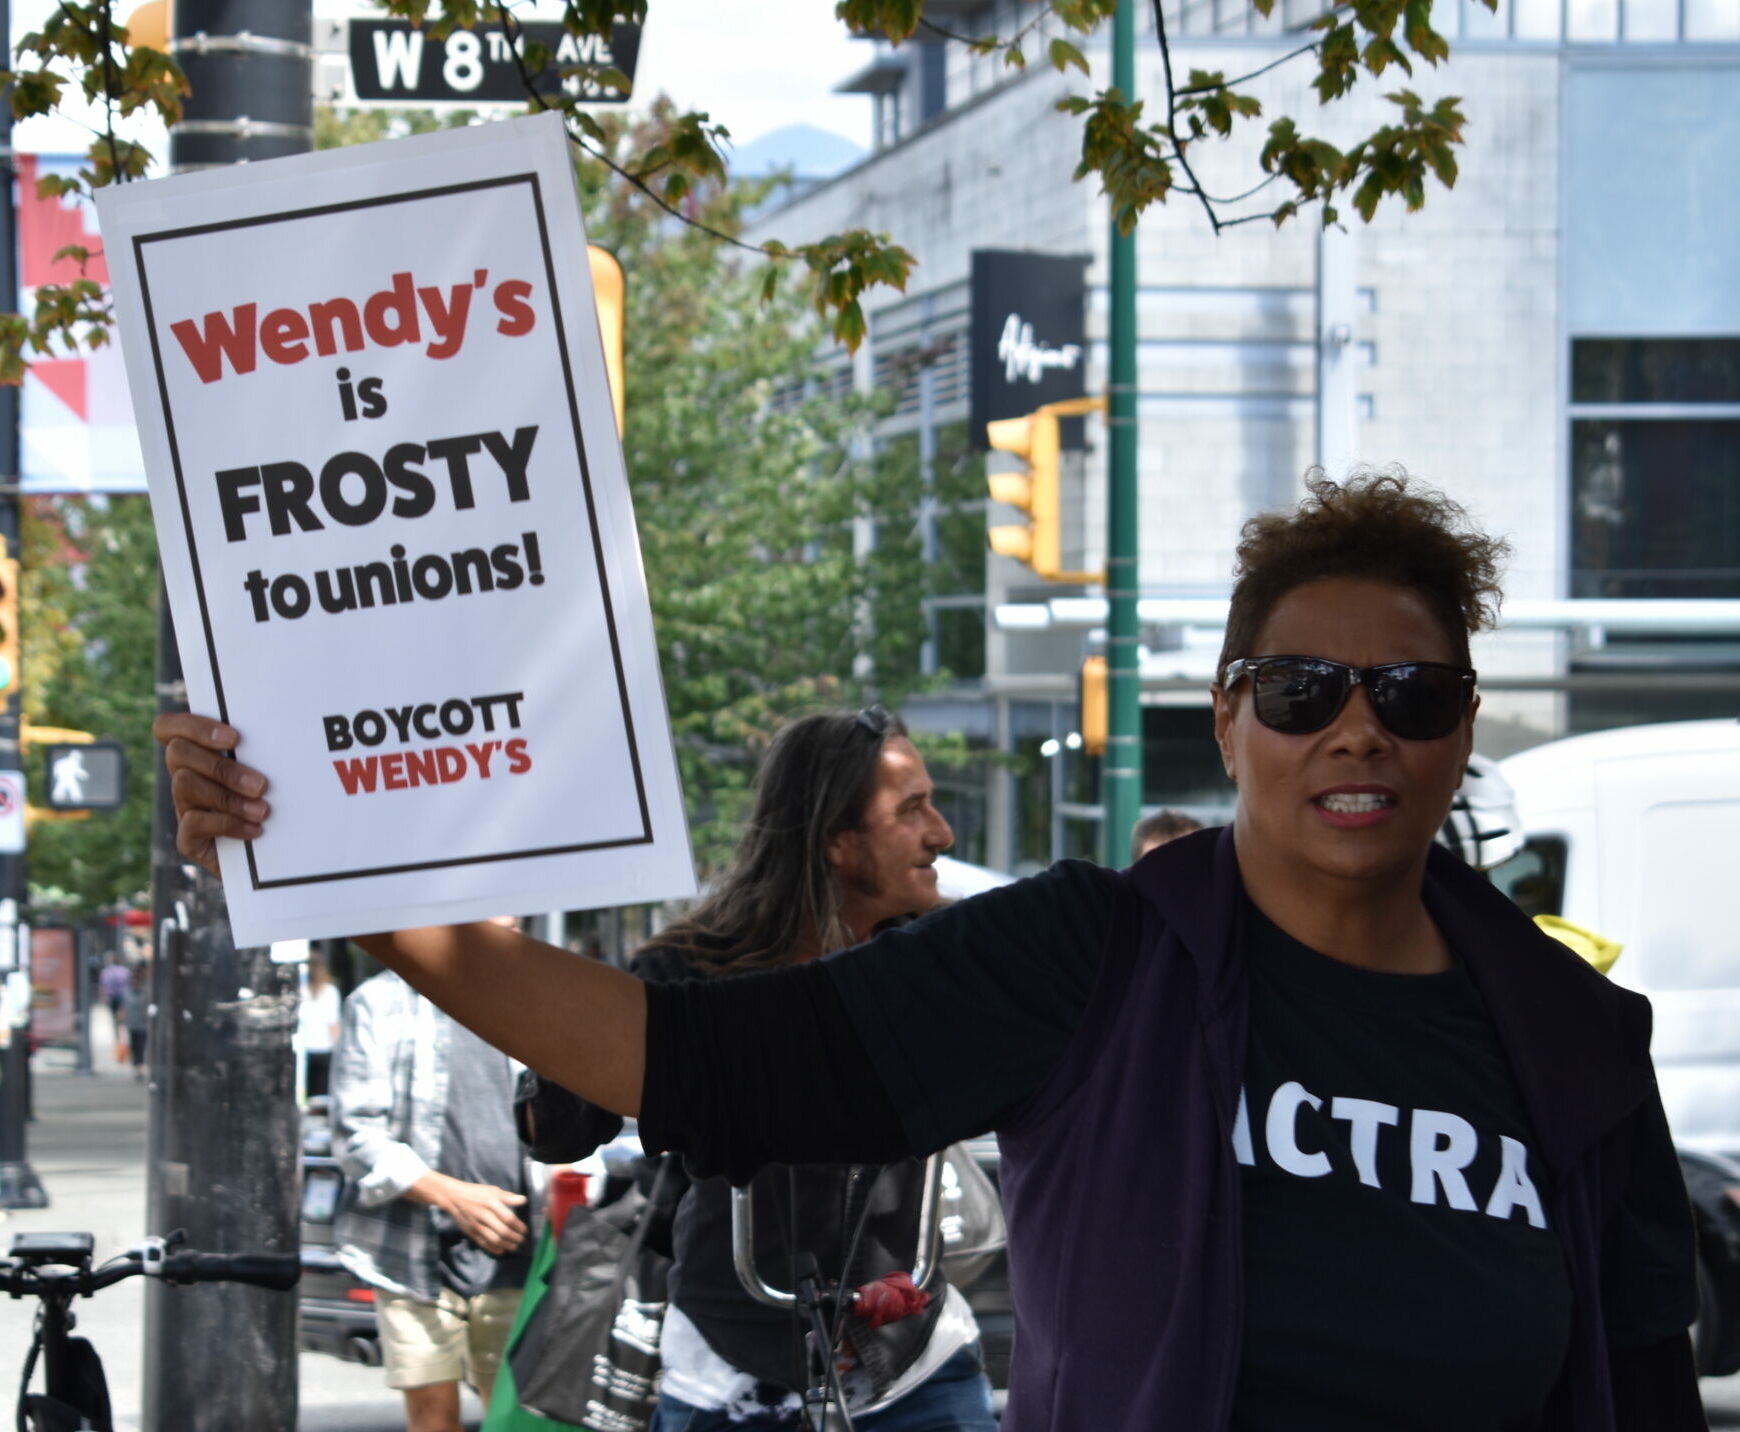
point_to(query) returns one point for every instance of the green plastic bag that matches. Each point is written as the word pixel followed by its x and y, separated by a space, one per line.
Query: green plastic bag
pixel 505 1413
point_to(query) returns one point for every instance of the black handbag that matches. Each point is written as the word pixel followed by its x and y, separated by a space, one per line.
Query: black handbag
pixel 589 1356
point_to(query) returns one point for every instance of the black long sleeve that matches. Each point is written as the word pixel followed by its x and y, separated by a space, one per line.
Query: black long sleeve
pixel 929 1033
pixel 762 1068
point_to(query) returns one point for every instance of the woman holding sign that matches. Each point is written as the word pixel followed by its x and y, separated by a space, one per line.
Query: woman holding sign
pixel 1304 1125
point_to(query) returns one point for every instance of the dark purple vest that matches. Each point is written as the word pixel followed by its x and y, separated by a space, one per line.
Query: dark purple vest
pixel 1122 1192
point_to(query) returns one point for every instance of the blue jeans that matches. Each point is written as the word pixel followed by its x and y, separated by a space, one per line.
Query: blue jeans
pixel 954 1398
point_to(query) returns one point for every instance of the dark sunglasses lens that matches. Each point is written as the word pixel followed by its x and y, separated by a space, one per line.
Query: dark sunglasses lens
pixel 1297 697
pixel 1418 703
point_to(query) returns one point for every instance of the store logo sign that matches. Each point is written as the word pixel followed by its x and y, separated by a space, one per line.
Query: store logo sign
pixel 1024 356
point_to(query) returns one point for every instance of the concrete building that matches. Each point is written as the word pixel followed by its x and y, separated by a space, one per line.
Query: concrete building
pixel 1555 342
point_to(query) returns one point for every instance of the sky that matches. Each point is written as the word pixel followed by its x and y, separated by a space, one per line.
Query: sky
pixel 753 67
pixel 756 67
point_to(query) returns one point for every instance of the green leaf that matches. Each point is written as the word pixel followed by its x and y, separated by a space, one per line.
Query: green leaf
pixel 1064 55
pixel 849 326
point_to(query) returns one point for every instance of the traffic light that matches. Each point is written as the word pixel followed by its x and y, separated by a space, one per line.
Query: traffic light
pixel 1037 440
pixel 608 289
pixel 151 25
pixel 1096 708
pixel 1038 541
pixel 11 662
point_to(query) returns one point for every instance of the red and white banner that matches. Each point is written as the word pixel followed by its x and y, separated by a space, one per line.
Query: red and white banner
pixel 76 420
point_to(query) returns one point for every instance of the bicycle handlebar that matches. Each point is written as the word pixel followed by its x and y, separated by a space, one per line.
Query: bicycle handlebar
pixel 278 1271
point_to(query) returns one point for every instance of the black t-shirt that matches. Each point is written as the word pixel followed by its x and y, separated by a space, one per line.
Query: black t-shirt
pixel 963 1015
pixel 1400 1270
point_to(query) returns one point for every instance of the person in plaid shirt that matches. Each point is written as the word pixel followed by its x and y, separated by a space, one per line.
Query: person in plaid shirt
pixel 434 1213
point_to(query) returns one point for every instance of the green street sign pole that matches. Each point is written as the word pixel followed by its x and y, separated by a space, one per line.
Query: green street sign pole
pixel 1121 770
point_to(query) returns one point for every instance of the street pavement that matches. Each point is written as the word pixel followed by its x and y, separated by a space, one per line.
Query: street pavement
pixel 88 1147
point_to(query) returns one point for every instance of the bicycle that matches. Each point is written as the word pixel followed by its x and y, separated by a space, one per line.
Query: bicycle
pixel 56 1268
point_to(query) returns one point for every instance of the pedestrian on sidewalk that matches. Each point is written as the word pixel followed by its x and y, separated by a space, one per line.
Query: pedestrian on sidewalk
pixel 136 1009
pixel 434 1209
pixel 1153 831
pixel 317 1024
pixel 114 982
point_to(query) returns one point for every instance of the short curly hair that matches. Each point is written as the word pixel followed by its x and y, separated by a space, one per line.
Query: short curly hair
pixel 1379 524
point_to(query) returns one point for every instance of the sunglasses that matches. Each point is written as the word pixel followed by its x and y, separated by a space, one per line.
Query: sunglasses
pixel 1296 695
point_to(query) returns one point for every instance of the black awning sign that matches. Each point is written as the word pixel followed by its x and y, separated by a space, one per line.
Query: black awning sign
pixel 86 777
pixel 393 63
pixel 1029 334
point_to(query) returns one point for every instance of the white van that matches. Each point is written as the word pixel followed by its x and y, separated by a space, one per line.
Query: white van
pixel 1635 833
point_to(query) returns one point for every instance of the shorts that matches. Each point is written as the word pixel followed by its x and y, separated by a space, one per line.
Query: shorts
pixel 445 1341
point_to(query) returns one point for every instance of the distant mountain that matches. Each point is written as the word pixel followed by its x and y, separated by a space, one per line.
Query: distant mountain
pixel 807 152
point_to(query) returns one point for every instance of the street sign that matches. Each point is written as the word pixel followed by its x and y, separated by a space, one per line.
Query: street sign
pixel 391 63
pixel 86 777
pixel 11 812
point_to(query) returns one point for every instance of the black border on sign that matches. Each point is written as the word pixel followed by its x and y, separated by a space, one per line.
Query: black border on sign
pixel 444 191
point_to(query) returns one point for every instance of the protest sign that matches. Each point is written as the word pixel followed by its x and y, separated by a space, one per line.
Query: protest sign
pixel 396 529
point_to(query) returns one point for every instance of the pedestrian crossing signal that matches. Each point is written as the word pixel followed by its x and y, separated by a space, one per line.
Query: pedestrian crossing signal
pixel 86 776
pixel 11 662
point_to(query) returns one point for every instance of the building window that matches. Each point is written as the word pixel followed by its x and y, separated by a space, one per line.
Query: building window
pixel 1181 765
pixel 1655 467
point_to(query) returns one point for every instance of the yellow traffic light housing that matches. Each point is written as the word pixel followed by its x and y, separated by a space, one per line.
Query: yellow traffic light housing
pixel 1039 541
pixel 609 289
pixel 151 25
pixel 1096 706
pixel 11 660
pixel 1036 439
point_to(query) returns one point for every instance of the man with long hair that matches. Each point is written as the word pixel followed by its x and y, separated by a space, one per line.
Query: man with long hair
pixel 842 843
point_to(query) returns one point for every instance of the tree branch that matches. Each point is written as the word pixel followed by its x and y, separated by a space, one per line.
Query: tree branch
pixel 109 91
pixel 1172 115
pixel 1234 198
pixel 986 43
pixel 1254 74
pixel 511 26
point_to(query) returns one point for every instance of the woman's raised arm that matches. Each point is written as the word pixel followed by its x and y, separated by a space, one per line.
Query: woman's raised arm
pixel 577 1021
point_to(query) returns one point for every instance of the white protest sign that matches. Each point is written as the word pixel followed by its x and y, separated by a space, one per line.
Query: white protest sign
pixel 396 530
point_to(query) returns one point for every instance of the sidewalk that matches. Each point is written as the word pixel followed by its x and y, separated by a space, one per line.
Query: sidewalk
pixel 88 1147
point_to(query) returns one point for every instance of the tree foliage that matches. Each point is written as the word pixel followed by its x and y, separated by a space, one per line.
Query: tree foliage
pixel 748 483
pixel 90 643
pixel 1141 154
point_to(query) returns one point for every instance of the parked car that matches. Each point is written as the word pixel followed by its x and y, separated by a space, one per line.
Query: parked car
pixel 1714 1186
pixel 1631 833
pixel 338 1308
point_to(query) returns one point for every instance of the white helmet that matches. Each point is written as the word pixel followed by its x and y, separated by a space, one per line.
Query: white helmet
pixel 1485 827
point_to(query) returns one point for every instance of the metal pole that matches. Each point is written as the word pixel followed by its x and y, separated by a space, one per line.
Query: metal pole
pixel 1121 770
pixel 19 1185
pixel 225 1144
pixel 84 951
